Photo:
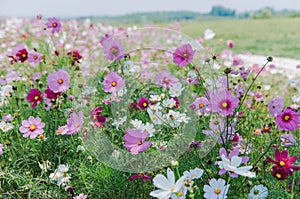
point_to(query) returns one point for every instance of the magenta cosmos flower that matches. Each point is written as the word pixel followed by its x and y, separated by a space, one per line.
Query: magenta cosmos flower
pixel 276 105
pixel 96 117
pixel 283 163
pixel 113 49
pixel 136 141
pixel 143 103
pixel 142 176
pixel 113 82
pixel 230 44
pixel 288 120
pixel 59 81
pixel 34 58
pixel 75 123
pixel 223 102
pixel 32 127
pixel 34 96
pixel 183 55
pixel 54 24
pixel 164 79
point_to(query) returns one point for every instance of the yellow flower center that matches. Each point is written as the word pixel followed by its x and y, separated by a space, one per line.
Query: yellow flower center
pixel 217 191
pixel 287 141
pixel 4 128
pixel 139 142
pixel 24 55
pixel 145 104
pixel 35 57
pixel 114 51
pixel 36 98
pixel 59 131
pixel 185 55
pixel 60 81
pixel 32 127
pixel 201 105
pixel 278 175
pixel 282 163
pixel 42 137
pixel 286 117
pixel 54 25
pixel 77 125
pixel 224 105
pixel 179 194
pixel 193 175
pixel 114 83
pixel 172 189
pixel 172 117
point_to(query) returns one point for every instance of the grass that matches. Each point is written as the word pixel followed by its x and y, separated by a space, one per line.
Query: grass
pixel 278 36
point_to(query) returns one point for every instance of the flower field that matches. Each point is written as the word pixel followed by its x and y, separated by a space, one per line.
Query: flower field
pixel 90 110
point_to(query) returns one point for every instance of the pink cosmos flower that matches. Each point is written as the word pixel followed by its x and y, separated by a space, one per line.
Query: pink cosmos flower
pixel 34 58
pixel 287 140
pixel 201 105
pixel 113 49
pixel 1 149
pixel 34 96
pixel 143 103
pixel 75 123
pixel 54 24
pixel 276 105
pixel 136 141
pixel 32 127
pixel 288 120
pixel 80 196
pixel 59 81
pixel 113 82
pixel 230 44
pixel 164 79
pixel 61 130
pixel 183 55
pixel 223 102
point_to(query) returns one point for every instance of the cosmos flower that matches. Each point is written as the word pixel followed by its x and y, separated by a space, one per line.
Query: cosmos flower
pixel 283 161
pixel 34 96
pixel 75 123
pixel 209 34
pixel 135 141
pixel 167 186
pixel 75 57
pixel 288 120
pixel 54 24
pixel 96 117
pixel 216 189
pixel 5 127
pixel 113 49
pixel 165 80
pixel 276 105
pixel 258 192
pixel 22 55
pixel 1 149
pixel 32 127
pixel 193 174
pixel 287 140
pixel 51 95
pixel 230 44
pixel 201 105
pixel 59 81
pixel 141 176
pixel 113 82
pixel 80 196
pixel 143 103
pixel 223 102
pixel 34 58
pixel 183 55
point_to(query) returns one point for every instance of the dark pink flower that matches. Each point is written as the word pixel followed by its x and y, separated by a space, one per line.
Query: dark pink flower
pixel 279 173
pixel 143 103
pixel 113 82
pixel 59 81
pixel 230 44
pixel 51 95
pixel 288 120
pixel 276 105
pixel 113 49
pixel 34 96
pixel 141 175
pixel 54 24
pixel 32 127
pixel 135 141
pixel 96 117
pixel 284 161
pixel 76 57
pixel 22 55
pixel 183 55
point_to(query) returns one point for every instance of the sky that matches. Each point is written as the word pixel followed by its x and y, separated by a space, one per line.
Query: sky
pixel 75 8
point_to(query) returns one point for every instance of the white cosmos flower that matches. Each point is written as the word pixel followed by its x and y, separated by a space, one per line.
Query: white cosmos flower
pixel 258 192
pixel 155 116
pixel 209 34
pixel 176 90
pixel 5 127
pixel 170 103
pixel 167 186
pixel 119 122
pixel 136 123
pixel 216 190
pixel 148 128
pixel 233 166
